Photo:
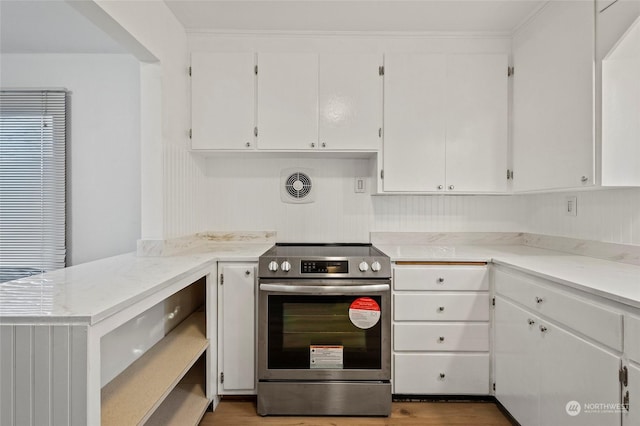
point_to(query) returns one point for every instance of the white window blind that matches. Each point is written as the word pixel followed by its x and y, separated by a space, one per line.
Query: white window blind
pixel 32 182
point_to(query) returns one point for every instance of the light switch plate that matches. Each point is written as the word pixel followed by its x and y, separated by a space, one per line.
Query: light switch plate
pixel 360 184
pixel 571 205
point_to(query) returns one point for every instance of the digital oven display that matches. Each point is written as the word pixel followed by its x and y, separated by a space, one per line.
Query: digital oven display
pixel 324 266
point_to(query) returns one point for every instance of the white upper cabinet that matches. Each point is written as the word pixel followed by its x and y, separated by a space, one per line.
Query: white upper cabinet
pixel 222 100
pixel 553 98
pixel 414 122
pixel 445 123
pixel 477 115
pixel 287 101
pixel 327 101
pixel 350 101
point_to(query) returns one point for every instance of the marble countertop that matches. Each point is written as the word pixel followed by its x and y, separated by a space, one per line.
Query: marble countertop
pixel 90 292
pixel 615 281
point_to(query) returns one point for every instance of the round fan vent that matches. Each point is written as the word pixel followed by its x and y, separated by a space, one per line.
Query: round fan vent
pixel 298 185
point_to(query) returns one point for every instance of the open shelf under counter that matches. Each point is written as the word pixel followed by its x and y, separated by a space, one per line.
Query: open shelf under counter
pixel 135 394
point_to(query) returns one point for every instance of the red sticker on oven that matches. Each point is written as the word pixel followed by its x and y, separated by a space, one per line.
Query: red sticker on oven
pixel 364 312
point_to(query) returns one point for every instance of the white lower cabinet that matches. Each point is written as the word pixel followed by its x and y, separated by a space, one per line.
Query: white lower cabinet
pixel 236 328
pixel 546 375
pixel 440 329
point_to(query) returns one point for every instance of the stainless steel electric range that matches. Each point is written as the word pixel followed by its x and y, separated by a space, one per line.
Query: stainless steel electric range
pixel 324 330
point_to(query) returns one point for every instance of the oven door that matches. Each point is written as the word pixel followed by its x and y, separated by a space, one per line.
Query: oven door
pixel 324 330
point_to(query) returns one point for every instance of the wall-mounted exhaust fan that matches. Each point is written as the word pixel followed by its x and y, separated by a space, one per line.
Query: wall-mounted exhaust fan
pixel 296 186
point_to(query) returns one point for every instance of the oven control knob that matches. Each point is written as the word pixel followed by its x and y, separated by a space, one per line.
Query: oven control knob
pixel 273 266
pixel 376 266
pixel 363 266
pixel 286 266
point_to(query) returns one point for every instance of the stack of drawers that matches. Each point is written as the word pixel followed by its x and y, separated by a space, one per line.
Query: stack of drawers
pixel 440 329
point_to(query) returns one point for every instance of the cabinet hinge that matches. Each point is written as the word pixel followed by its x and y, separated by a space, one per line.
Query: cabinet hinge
pixel 222 377
pixel 623 375
pixel 255 70
pixel 190 133
pixel 510 71
pixel 221 279
pixel 255 131
pixel 509 174
pixel 381 174
pixel 493 301
pixel 189 71
pixel 625 401
pixel 381 70
pixel 494 385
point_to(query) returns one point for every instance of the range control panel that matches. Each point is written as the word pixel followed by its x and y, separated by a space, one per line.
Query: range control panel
pixel 324 266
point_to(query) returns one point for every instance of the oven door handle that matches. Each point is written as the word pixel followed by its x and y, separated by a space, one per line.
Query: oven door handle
pixel 319 289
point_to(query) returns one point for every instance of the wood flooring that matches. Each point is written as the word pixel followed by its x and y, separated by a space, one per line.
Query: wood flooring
pixel 236 412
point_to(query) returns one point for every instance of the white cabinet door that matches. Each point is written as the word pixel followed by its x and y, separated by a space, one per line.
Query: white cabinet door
pixel 477 117
pixel 236 328
pixel 222 100
pixel 553 136
pixel 350 101
pixel 631 417
pixel 414 122
pixel 516 365
pixel 573 369
pixel 287 101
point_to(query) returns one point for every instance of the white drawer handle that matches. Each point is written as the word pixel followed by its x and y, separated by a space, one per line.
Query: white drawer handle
pixel 441 309
pixel 441 339
pixel 441 376
pixel 539 300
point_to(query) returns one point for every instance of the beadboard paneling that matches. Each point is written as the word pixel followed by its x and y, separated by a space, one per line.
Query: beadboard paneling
pixel 43 375
pixel 611 215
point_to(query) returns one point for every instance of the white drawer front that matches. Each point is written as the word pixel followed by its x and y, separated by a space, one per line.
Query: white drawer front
pixel 447 278
pixel 632 337
pixel 441 307
pixel 464 374
pixel 441 337
pixel 584 316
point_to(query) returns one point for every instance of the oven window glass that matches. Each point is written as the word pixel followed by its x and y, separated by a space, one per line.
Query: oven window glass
pixel 296 323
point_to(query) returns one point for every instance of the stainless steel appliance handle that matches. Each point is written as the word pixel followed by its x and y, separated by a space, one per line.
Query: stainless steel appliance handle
pixel 347 289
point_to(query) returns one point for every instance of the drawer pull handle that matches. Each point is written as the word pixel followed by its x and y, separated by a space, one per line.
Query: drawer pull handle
pixel 543 329
pixel 440 280
pixel 441 339
pixel 442 375
pixel 441 309
pixel 539 300
pixel 530 321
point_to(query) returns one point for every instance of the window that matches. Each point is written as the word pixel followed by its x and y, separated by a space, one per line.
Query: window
pixel 32 182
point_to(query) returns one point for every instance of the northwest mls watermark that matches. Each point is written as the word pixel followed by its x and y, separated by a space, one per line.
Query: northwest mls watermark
pixel 574 408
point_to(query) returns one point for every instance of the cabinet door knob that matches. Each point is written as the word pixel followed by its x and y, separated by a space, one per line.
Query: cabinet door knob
pixel 440 186
pixel 543 328
pixel 313 144
pixel 440 280
pixel 539 300
pixel 451 187
pixel 247 272
pixel 248 144
pixel 441 309
pixel 441 339
pixel 583 179
pixel 530 321
pixel 324 145
pixel 442 375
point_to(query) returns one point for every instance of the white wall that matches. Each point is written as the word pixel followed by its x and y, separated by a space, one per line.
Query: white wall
pixel 103 196
pixel 611 215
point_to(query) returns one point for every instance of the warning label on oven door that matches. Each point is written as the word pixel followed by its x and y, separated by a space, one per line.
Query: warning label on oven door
pixel 325 356
pixel 364 312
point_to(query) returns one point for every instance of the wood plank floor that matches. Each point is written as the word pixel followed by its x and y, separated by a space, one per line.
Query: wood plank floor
pixel 243 412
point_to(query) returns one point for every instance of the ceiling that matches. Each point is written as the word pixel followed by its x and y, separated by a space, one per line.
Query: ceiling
pixel 352 15
pixel 51 26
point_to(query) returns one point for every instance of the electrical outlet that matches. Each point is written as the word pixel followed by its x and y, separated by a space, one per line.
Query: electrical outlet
pixel 571 206
pixel 360 184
